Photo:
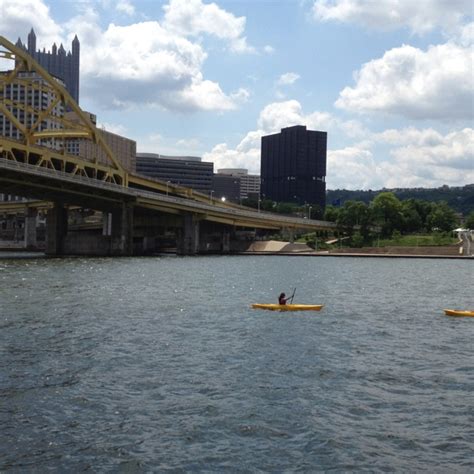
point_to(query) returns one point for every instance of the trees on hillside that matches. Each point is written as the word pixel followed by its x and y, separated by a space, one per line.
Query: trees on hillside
pixel 469 224
pixel 441 217
pixel 385 212
pixel 390 215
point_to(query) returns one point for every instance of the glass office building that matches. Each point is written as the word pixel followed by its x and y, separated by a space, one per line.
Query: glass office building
pixel 293 166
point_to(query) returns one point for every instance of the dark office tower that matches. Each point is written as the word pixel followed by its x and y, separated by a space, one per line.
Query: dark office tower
pixel 61 64
pixel 293 166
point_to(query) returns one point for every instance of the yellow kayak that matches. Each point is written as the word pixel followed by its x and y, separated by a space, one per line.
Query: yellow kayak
pixel 288 307
pixel 457 312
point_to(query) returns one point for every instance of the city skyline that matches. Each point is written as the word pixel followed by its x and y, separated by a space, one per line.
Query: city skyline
pixel 391 85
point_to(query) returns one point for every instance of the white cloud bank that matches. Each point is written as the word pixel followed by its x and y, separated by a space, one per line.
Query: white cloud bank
pixel 416 84
pixel 165 71
pixel 419 16
pixel 150 63
pixel 416 158
pixel 193 18
pixel 21 15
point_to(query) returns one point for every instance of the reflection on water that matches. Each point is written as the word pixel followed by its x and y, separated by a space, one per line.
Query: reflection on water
pixel 154 364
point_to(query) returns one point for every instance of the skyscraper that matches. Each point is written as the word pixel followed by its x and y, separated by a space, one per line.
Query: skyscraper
pixel 61 64
pixel 293 166
pixel 29 91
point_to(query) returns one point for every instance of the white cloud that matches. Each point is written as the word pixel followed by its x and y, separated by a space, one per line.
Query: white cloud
pixel 419 16
pixel 279 115
pixel 17 17
pixel 268 49
pixel 165 71
pixel 406 81
pixel 353 167
pixel 119 69
pixel 199 95
pixel 287 79
pixel 241 95
pixel 193 18
pixel 465 35
pixel 411 158
pixel 113 128
pixel 189 144
pixel 224 157
pixel 451 154
pixel 125 6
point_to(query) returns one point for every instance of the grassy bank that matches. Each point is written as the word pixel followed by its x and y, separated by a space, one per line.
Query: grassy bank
pixel 415 240
pixel 418 240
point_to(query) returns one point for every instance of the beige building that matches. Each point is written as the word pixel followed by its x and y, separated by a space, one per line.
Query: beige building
pixel 249 183
pixel 124 149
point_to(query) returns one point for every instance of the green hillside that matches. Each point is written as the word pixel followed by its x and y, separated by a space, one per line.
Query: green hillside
pixel 460 199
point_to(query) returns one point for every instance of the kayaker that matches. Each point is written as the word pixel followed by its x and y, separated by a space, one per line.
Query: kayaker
pixel 282 299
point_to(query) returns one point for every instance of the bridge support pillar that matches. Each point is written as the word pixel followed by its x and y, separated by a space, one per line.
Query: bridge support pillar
pixel 56 229
pixel 121 240
pixel 30 228
pixel 226 242
pixel 289 234
pixel 188 239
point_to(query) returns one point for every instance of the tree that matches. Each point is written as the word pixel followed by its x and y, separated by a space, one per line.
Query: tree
pixel 331 213
pixel 469 224
pixel 442 217
pixel 355 215
pixel 412 221
pixel 387 213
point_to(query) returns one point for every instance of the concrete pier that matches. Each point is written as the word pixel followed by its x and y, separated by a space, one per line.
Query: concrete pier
pixel 121 239
pixel 56 229
pixel 188 236
pixel 30 228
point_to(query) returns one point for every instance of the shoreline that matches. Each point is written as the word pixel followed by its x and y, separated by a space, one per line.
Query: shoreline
pixel 287 249
pixel 350 254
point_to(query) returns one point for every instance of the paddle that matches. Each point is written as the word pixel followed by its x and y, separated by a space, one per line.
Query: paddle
pixel 290 299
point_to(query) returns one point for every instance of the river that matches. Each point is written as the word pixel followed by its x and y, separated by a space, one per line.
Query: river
pixel 159 365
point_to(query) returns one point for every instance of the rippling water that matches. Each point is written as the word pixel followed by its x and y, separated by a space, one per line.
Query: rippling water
pixel 159 364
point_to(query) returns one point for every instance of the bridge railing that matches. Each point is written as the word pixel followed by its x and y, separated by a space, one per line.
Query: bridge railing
pixel 39 171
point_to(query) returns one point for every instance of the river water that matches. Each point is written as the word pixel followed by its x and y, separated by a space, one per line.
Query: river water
pixel 160 365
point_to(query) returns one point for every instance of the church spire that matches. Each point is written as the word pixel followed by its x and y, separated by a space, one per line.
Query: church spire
pixel 32 42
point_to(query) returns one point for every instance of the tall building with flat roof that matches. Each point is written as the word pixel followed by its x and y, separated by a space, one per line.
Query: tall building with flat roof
pixel 249 183
pixel 187 171
pixel 26 102
pixel 293 166
pixel 58 62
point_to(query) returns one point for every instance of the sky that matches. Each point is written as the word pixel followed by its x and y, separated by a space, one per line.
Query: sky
pixel 390 81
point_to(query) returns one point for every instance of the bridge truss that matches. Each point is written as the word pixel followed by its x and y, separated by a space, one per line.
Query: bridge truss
pixel 35 129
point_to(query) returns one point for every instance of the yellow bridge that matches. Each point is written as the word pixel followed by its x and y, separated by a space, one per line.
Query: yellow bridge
pixel 35 163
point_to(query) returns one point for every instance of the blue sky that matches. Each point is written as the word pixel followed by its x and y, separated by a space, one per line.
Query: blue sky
pixel 391 81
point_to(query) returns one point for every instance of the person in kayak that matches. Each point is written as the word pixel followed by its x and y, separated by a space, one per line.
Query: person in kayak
pixel 282 299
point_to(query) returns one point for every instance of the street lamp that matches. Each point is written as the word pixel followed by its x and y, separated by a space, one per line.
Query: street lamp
pixel 223 198
pixel 309 212
pixel 210 198
pixel 167 184
pixel 258 204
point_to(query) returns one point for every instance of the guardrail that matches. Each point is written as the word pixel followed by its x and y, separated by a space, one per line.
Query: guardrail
pixel 264 217
pixel 38 171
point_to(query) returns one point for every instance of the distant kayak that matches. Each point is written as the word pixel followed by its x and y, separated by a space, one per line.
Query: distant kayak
pixel 288 307
pixel 457 312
